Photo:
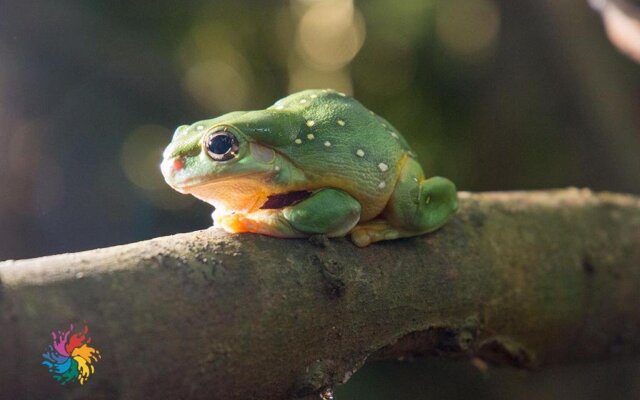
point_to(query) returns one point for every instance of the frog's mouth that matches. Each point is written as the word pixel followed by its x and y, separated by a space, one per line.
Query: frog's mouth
pixel 282 200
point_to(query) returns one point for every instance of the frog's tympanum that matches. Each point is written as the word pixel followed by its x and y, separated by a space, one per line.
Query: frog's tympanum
pixel 315 163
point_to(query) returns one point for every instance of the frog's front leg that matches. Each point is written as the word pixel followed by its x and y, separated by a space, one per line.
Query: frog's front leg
pixel 329 212
pixel 416 206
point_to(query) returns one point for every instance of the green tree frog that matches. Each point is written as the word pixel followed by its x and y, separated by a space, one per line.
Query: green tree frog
pixel 316 162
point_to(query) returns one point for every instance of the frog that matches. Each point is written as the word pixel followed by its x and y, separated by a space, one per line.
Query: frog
pixel 316 162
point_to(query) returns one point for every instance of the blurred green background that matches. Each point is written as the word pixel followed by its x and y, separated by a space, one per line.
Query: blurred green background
pixel 494 94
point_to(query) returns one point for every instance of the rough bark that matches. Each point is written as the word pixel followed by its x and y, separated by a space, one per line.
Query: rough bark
pixel 525 278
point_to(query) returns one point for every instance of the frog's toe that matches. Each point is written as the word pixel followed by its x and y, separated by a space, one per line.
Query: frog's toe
pixel 232 223
pixel 265 222
pixel 438 200
pixel 374 231
pixel 360 237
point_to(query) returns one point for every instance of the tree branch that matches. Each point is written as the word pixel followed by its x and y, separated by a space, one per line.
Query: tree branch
pixel 524 278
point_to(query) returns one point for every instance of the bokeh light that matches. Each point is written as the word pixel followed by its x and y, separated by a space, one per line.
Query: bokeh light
pixel 468 28
pixel 217 86
pixel 141 153
pixel 140 157
pixel 329 34
pixel 217 75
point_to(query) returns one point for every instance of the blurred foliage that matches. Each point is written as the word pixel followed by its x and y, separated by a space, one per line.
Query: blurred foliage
pixel 494 94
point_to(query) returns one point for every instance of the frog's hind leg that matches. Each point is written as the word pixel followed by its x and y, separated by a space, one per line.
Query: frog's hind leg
pixel 416 206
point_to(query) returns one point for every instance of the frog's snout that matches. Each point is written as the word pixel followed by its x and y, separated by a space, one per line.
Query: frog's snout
pixel 181 130
pixel 170 166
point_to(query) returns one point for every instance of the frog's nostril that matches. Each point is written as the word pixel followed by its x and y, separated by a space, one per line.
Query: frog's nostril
pixel 171 165
pixel 178 164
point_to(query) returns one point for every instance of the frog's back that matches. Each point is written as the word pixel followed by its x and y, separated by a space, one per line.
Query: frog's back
pixel 342 144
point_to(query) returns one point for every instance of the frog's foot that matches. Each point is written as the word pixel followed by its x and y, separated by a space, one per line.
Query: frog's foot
pixel 416 206
pixel 266 222
pixel 374 231
pixel 327 212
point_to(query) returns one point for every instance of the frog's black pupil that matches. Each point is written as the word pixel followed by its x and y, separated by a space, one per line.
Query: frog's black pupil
pixel 220 144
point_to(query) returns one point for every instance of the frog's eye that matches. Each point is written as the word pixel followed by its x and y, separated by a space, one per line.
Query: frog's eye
pixel 221 145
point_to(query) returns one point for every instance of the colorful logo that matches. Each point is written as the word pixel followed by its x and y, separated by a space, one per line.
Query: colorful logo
pixel 70 358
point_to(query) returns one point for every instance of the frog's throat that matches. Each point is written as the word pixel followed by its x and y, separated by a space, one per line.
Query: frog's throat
pixel 246 192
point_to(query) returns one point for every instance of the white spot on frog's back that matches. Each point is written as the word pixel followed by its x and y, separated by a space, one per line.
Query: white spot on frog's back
pixel 311 123
pixel 360 153
pixel 382 185
pixel 303 101
pixel 200 127
pixel 383 167
pixel 327 144
pixel 310 136
pixel 298 141
pixel 341 122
